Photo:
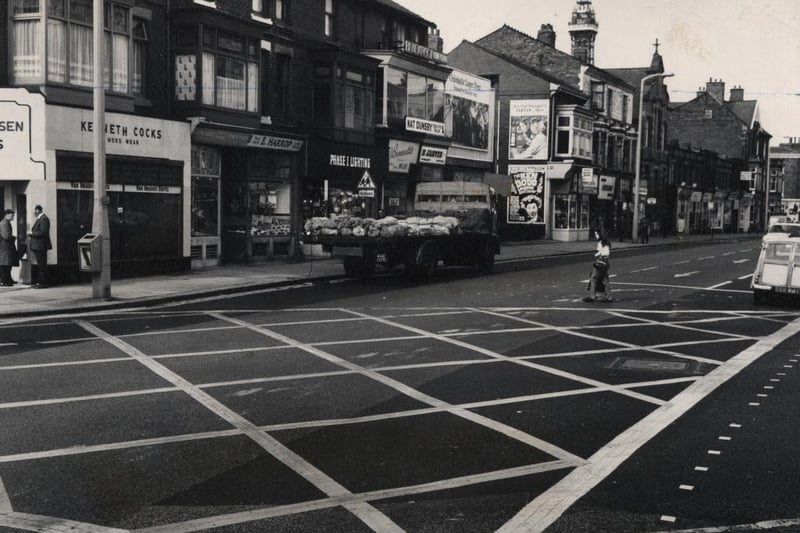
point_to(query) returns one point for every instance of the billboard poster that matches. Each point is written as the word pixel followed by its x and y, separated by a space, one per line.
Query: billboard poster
pixel 468 100
pixel 526 202
pixel 527 129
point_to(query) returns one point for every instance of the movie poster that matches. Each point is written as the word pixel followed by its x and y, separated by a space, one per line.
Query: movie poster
pixel 467 110
pixel 527 130
pixel 526 203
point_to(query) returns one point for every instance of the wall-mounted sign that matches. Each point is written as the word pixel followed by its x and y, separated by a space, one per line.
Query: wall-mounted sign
pixel 425 126
pixel 469 110
pixel 526 203
pixel 402 155
pixel 366 181
pixel 349 161
pixel 394 201
pixel 527 129
pixel 133 135
pixel 588 181
pixel 433 155
pixel 424 52
pixel 21 135
pixel 696 196
pixel 274 143
pixel 606 190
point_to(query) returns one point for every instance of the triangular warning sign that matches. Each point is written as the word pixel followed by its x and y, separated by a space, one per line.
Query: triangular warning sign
pixel 366 181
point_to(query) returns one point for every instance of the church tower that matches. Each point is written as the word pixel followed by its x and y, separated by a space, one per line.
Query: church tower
pixel 583 30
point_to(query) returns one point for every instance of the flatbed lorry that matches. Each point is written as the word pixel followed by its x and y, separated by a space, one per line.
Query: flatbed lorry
pixel 454 222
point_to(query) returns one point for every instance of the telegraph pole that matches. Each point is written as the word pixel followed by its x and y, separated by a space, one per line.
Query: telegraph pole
pixel 101 281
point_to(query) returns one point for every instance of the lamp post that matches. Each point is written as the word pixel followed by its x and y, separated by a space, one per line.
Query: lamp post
pixel 635 228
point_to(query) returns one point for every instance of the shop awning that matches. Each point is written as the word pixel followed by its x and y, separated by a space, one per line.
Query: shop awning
pixel 720 195
pixel 559 171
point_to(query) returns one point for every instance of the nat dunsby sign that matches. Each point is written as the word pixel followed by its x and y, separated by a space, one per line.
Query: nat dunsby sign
pixel 22 140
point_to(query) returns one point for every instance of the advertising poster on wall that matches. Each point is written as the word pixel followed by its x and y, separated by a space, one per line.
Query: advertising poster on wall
pixel 468 111
pixel 526 203
pixel 527 129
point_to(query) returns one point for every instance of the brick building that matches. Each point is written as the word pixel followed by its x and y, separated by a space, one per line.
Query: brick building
pixel 732 129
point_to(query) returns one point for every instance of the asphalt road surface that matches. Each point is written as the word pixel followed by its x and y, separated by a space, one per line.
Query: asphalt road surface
pixel 470 403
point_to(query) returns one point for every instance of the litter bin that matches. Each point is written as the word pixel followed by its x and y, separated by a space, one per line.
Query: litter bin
pixel 89 256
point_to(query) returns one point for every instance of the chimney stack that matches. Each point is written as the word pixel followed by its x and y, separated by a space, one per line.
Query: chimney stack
pixel 716 88
pixel 701 91
pixel 737 94
pixel 547 35
pixel 435 41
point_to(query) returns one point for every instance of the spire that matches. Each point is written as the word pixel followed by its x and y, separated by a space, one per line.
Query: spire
pixel 583 30
pixel 656 64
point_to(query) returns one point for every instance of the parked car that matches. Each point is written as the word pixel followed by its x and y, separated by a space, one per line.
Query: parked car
pixel 778 267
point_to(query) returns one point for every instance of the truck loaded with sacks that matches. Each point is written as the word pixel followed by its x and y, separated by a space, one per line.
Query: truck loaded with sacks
pixel 453 222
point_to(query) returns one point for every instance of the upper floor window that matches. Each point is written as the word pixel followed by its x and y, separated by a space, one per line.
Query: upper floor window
pixel 413 95
pixel 69 44
pixel 573 134
pixel 228 70
pixel 625 107
pixel 329 14
pixel 275 9
pixel 598 93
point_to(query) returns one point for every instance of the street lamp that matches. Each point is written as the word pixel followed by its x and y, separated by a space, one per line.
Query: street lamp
pixel 639 154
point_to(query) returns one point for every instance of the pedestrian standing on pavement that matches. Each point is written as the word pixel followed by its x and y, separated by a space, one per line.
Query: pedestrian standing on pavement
pixel 644 230
pixel 39 243
pixel 598 281
pixel 8 249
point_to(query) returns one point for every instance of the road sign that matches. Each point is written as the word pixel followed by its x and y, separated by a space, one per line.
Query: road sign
pixel 366 181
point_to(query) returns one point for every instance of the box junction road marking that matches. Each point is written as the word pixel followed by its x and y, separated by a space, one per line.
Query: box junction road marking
pixel 687 287
pixel 364 511
pixel 547 507
pixel 21 519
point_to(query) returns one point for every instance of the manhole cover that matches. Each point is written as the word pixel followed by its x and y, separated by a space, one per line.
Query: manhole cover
pixel 656 366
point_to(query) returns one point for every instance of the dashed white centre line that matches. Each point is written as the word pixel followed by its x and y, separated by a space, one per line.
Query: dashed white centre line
pixel 667 518
pixel 706 258
pixel 741 261
pixel 723 437
pixel 643 270
pixel 687 274
pixel 735 425
pixel 686 487
pixel 701 468
pixel 714 452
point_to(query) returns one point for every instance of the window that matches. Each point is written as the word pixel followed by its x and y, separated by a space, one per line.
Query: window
pixel 709 113
pixel 573 134
pixel 69 44
pixel 354 95
pixel 598 90
pixel 229 72
pixel 609 102
pixel 625 104
pixel 412 95
pixel 571 211
pixel 283 64
pixel 329 13
pixel 278 10
pixel 27 47
pixel 139 59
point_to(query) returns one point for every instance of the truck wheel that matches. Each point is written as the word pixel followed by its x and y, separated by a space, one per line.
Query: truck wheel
pixel 760 297
pixel 352 267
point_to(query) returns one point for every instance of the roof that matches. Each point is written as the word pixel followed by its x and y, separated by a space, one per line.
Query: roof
pixel 745 110
pixel 397 7
pixel 509 42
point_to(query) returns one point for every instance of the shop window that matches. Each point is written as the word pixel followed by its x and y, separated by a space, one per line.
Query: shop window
pixel 571 211
pixel 396 95
pixel 205 206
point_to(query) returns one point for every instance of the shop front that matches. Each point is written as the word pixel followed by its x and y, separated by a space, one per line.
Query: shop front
pixel 251 180
pixel 147 177
pixel 572 191
pixel 342 180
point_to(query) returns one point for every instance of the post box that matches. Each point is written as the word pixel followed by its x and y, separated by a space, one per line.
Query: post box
pixel 89 253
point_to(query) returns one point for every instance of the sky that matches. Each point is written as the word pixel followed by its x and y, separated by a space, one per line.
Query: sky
pixel 754 44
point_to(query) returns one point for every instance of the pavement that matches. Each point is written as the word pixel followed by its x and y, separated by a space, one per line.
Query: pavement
pixel 21 300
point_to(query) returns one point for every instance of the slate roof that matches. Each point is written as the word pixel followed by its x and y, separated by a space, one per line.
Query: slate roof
pixel 509 42
pixel 397 7
pixel 746 110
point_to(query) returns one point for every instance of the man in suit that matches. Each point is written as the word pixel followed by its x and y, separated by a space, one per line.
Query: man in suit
pixel 39 243
pixel 8 249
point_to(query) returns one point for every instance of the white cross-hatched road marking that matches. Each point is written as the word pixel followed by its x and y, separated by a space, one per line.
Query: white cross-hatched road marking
pixel 687 274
